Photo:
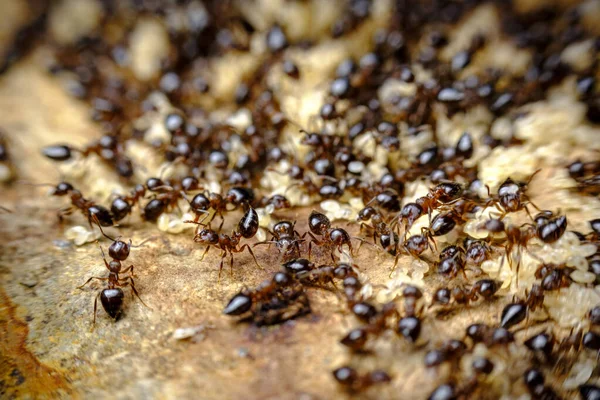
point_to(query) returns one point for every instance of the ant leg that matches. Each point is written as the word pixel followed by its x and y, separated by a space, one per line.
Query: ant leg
pixel 222 221
pixel 134 290
pixel 95 309
pixel 205 251
pixel 251 253
pixel 126 270
pixel 221 265
pixel 89 280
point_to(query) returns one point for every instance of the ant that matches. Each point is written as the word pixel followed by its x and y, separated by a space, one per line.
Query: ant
pixel 409 326
pixel 484 288
pixel 535 383
pixel 550 228
pixel 516 312
pixel 247 228
pixel 451 261
pixel 450 351
pixel 167 195
pixel 274 301
pixel 202 203
pixel 516 236
pixel 490 336
pixel 122 205
pixel 477 251
pixel 108 148
pixel 93 212
pixel 112 296
pixel 356 382
pixel 553 276
pixel 286 239
pixel 442 193
pixel 387 238
pixel 277 201
pixel 377 323
pixel 320 225
pixel 511 196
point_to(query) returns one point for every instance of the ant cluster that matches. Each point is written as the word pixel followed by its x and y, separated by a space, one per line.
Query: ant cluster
pixel 367 149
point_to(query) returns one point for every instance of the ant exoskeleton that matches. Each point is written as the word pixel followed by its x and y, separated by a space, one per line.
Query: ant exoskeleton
pixel 247 228
pixel 112 296
pixel 320 225
pixel 93 212
pixel 511 197
pixel 516 312
pixel 286 239
pixel 356 382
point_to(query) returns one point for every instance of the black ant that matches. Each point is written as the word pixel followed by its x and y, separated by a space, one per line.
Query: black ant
pixel 450 351
pixel 121 206
pixel 451 261
pixel 356 382
pixel 484 288
pixel 112 296
pixel 247 228
pixel 167 195
pixel 516 312
pixel 92 211
pixel 535 383
pixel 286 239
pixel 550 228
pixel 278 202
pixel 511 196
pixel 320 225
pixel 108 148
pixel 357 338
pixel 201 205
pixel 443 193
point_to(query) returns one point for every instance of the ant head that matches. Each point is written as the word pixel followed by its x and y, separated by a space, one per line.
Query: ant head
pixel 119 250
pixel 283 228
pixel 114 266
pixel 318 223
pixel 62 189
pixel 190 183
pixel 365 214
pixel 279 202
pixel 207 236
pixel 200 203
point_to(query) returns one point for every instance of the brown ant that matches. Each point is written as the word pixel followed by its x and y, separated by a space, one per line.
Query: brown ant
pixel 356 382
pixel 484 288
pixel 451 261
pixel 516 237
pixel 286 239
pixel 121 206
pixel 247 228
pixel 93 212
pixel 274 301
pixel 357 338
pixel 112 296
pixel 278 202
